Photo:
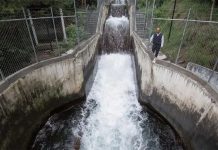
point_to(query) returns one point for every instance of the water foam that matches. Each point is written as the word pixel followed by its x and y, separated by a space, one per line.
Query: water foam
pixel 116 22
pixel 116 35
pixel 112 115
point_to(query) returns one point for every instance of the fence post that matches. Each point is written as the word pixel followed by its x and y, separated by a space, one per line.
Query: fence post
pixel 30 36
pixel 98 4
pixel 87 21
pixel 171 24
pixel 3 111
pixel 146 12
pixel 2 75
pixel 63 25
pixel 33 28
pixel 214 68
pixel 55 32
pixel 152 16
pixel 211 12
pixel 77 36
pixel 186 23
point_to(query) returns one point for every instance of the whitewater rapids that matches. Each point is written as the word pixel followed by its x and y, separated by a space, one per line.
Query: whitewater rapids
pixel 112 116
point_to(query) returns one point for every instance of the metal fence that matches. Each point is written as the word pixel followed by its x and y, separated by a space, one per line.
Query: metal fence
pixel 189 35
pixel 30 36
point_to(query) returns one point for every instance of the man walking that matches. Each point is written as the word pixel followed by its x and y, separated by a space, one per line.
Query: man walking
pixel 158 41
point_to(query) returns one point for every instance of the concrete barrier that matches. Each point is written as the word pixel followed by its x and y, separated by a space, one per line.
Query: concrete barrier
pixel 186 101
pixel 31 94
pixel 205 74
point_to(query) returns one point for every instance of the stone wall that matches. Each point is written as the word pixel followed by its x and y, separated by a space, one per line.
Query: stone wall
pixel 186 101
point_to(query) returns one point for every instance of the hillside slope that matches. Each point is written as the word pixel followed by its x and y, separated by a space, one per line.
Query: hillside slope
pixel 200 44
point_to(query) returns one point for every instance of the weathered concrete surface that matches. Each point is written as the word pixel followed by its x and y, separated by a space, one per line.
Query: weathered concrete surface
pixel 161 55
pixel 186 101
pixel 32 93
pixel 132 20
pixel 104 9
pixel 28 96
pixel 204 73
pixel 144 72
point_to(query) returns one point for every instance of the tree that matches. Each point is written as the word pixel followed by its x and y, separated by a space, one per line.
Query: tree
pixel 11 6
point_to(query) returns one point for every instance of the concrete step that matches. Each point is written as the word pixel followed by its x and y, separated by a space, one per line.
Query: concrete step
pixel 141 16
pixel 143 22
pixel 140 28
pixel 141 33
pixel 140 25
pixel 140 20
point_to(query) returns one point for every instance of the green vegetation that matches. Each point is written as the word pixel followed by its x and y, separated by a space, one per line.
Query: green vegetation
pixel 11 6
pixel 200 43
pixel 73 34
pixel 16 51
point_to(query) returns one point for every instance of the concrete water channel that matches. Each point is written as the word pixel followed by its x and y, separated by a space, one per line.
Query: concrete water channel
pixel 111 116
pixel 108 95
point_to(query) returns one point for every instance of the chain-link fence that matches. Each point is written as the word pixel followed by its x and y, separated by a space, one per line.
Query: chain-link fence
pixel 189 34
pixel 30 36
pixel 190 41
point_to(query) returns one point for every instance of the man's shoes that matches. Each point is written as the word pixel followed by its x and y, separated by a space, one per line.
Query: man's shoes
pixel 154 61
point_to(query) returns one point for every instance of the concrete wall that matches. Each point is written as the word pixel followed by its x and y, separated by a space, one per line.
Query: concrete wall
pixel 186 101
pixel 31 94
pixel 204 73
pixel 132 18
pixel 102 16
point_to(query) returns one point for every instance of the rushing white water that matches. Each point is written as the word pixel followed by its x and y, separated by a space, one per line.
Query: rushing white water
pixel 112 116
pixel 116 34
pixel 117 22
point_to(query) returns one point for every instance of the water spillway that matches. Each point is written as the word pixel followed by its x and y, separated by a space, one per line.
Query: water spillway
pixel 111 118
pixel 118 10
pixel 55 88
pixel 114 122
pixel 116 36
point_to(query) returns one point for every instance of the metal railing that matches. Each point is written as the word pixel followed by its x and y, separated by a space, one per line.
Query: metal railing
pixel 30 36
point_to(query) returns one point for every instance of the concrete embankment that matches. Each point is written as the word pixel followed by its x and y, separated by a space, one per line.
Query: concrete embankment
pixel 32 93
pixel 205 74
pixel 185 100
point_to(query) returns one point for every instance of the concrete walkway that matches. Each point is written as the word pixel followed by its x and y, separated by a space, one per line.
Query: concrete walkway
pixel 161 55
